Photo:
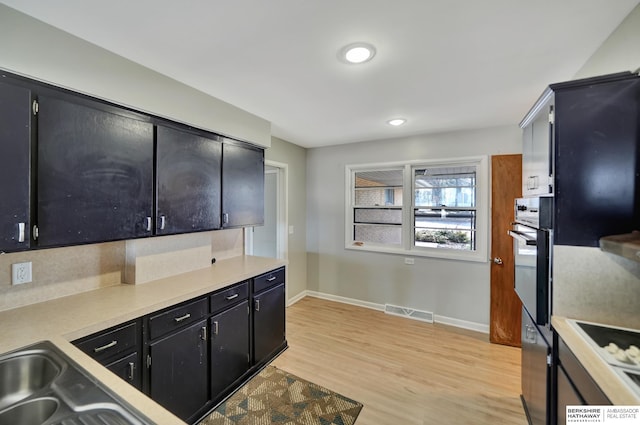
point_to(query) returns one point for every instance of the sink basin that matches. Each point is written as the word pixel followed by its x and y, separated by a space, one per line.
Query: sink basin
pixel 32 412
pixel 23 375
pixel 40 385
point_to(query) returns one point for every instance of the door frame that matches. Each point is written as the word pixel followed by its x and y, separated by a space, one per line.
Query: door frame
pixel 282 213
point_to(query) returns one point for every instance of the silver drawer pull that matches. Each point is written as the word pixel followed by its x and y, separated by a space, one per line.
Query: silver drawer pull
pixel 132 369
pixel 104 347
pixel 20 232
pixel 181 318
pixel 271 279
pixel 230 297
pixel 257 305
pixel 216 327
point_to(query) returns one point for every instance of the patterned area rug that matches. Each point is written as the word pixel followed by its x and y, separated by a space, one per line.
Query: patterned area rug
pixel 277 397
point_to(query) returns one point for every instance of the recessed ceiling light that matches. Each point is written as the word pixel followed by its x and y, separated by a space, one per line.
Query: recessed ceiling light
pixel 396 122
pixel 357 53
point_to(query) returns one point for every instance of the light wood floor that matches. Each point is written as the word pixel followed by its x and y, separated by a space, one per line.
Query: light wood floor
pixel 403 371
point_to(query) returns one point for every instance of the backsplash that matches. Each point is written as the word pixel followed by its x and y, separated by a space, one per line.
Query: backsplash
pixel 598 286
pixel 59 272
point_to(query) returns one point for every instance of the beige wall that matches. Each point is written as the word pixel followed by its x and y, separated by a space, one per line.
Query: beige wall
pixel 296 159
pixel 620 52
pixel 32 48
pixel 456 291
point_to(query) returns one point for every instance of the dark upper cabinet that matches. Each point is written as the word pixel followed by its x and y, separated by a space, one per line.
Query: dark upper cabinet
pixel 242 185
pixel 15 166
pixel 95 173
pixel 187 182
pixel 597 164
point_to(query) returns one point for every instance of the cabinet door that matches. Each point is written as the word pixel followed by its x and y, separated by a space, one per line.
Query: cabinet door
pixel 535 371
pixel 95 173
pixel 128 368
pixel 242 185
pixel 536 153
pixel 178 372
pixel 229 347
pixel 188 182
pixel 15 166
pixel 268 323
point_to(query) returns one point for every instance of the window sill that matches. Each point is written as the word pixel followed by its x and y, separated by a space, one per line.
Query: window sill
pixel 477 257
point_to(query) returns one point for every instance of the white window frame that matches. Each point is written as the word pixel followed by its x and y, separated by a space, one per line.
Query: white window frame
pixel 408 231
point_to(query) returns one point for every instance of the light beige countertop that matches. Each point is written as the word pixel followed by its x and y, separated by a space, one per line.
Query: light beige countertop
pixel 601 372
pixel 66 319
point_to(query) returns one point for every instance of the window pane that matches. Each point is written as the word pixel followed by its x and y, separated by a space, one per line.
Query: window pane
pixel 378 215
pixel 378 188
pixel 444 228
pixel 451 187
pixel 388 235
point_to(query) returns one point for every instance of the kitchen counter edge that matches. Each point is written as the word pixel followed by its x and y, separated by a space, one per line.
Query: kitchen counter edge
pixel 65 319
pixel 601 372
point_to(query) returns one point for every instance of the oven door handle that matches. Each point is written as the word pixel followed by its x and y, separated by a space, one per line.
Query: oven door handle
pixel 523 237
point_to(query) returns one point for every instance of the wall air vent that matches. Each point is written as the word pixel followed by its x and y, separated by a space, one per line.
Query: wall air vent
pixel 410 313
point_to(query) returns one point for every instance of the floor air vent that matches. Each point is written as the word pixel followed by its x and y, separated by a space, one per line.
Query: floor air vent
pixel 424 316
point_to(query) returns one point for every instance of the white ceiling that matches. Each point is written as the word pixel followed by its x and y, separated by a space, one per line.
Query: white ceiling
pixel 441 64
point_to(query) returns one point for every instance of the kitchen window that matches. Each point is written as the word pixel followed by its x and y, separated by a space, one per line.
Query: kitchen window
pixel 419 208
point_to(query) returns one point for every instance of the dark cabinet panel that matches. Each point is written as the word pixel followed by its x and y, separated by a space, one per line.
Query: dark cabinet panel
pixel 128 368
pixel 242 185
pixel 268 323
pixel 118 349
pixel 178 374
pixel 95 174
pixel 188 182
pixel 597 169
pixel 229 347
pixel 15 166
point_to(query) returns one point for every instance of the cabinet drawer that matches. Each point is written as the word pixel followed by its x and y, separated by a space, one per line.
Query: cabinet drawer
pixel 107 344
pixel 128 368
pixel 177 317
pixel 268 280
pixel 230 296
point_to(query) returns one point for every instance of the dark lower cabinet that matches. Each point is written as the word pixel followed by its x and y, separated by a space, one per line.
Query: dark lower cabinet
pixel 190 356
pixel 119 349
pixel 15 166
pixel 230 358
pixel 178 371
pixel 574 385
pixel 268 323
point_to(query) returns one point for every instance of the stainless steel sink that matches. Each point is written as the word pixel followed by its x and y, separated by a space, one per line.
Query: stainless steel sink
pixel 24 374
pixel 40 385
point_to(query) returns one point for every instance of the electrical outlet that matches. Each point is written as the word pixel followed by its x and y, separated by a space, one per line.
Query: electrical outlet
pixel 409 260
pixel 20 273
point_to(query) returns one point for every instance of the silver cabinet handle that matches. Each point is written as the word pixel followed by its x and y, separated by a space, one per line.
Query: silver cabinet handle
pixel 257 305
pixel 203 333
pixel 148 223
pixel 181 318
pixel 20 232
pixel 215 327
pixel 230 297
pixel 163 221
pixel 104 347
pixel 132 369
pixel 225 218
pixel 271 279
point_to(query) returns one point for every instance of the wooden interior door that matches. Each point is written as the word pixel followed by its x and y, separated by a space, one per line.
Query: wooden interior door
pixel 505 311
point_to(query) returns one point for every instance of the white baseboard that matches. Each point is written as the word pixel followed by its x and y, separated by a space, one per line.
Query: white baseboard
pixel 464 324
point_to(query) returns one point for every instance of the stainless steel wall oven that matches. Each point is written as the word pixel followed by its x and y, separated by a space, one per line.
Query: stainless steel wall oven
pixel 532 234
